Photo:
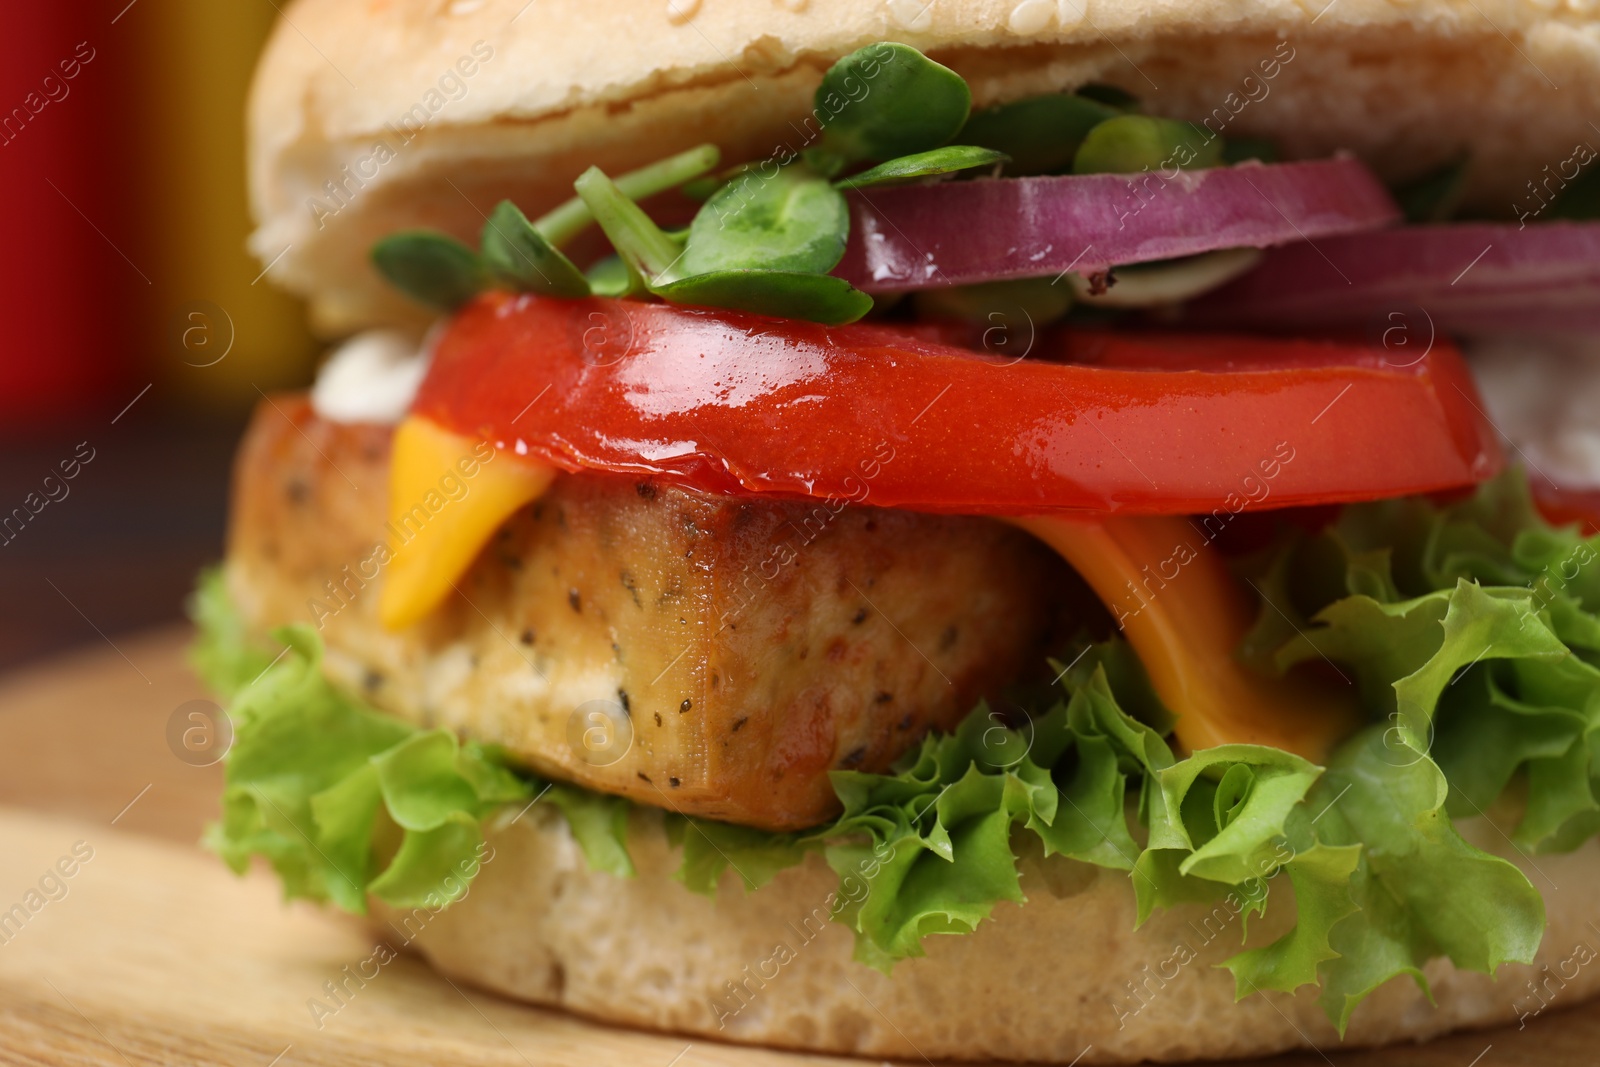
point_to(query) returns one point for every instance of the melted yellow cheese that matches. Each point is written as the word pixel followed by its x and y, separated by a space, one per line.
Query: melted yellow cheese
pixel 447 496
pixel 1185 615
pixel 1180 609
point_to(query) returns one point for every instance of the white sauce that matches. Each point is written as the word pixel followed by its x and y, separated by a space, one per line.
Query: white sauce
pixel 1141 286
pixel 1543 395
pixel 373 377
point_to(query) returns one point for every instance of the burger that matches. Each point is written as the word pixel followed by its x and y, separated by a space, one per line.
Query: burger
pixel 1049 530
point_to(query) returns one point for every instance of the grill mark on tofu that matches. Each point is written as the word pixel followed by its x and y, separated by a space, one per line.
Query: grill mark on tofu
pixel 748 647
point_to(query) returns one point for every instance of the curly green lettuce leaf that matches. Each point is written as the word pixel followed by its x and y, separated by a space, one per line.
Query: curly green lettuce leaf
pixel 934 842
pixel 1222 833
pixel 599 823
pixel 710 848
pixel 1475 628
pixel 347 803
pixel 315 782
pixel 1471 631
pixel 1320 877
pixel 1422 891
pixel 222 654
pixel 1403 596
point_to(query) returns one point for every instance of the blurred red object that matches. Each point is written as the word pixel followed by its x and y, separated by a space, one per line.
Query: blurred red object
pixel 68 214
pixel 1563 505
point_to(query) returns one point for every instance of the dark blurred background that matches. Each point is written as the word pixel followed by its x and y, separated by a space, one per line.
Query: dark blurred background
pixel 134 333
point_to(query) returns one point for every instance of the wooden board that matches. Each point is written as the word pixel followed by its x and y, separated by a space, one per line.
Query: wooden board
pixel 152 953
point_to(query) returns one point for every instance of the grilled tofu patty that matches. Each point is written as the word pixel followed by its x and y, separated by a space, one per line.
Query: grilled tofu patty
pixel 708 655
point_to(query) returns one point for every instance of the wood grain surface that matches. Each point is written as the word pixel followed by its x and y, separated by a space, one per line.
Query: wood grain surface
pixel 152 953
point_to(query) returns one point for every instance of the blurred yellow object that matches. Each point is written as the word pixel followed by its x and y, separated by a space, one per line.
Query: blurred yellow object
pixel 447 496
pixel 223 331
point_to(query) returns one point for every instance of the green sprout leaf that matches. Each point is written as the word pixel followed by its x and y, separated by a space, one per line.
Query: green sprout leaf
pixel 677 272
pixel 523 254
pixel 791 220
pixel 612 277
pixel 701 189
pixel 1128 144
pixel 520 257
pixel 565 222
pixel 782 294
pixel 889 100
pixel 441 272
pixel 642 244
pixel 1042 134
pixel 946 160
pixel 431 268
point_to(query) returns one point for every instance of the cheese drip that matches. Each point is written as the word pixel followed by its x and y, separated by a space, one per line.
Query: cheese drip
pixel 1180 609
pixel 1185 615
pixel 447 497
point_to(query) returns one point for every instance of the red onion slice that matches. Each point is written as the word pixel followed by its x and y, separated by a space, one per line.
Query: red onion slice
pixel 958 233
pixel 1467 277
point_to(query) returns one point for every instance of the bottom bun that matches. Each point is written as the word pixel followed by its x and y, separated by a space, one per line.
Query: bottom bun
pixel 1062 978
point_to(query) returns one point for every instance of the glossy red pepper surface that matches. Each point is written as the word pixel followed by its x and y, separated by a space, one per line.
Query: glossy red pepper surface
pixel 1137 423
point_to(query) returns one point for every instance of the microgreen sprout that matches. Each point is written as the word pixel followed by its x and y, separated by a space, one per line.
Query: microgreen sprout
pixel 768 233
